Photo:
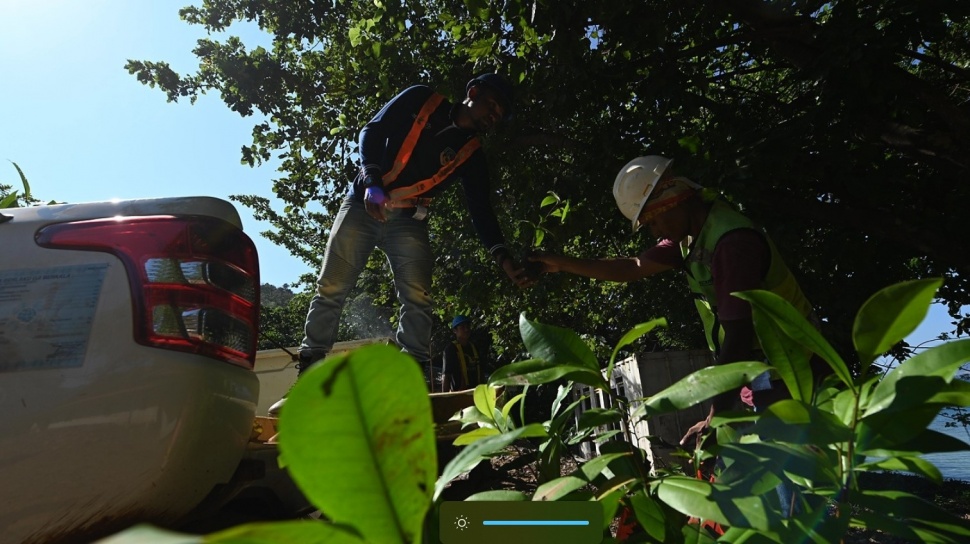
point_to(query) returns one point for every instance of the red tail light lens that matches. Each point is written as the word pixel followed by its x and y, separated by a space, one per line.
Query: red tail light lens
pixel 194 280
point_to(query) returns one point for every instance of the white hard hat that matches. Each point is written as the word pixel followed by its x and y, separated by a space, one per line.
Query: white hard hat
pixel 635 183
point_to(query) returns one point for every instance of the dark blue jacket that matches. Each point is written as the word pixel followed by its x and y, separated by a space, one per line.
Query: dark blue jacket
pixel 381 138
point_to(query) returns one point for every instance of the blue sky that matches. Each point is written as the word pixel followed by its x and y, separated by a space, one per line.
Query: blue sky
pixel 83 129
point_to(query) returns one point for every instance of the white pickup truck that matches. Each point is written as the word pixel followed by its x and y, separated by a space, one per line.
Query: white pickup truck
pixel 128 337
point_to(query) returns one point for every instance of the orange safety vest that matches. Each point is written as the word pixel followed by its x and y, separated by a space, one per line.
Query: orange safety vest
pixel 406 197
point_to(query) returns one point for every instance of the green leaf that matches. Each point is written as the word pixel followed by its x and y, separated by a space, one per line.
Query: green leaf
pixel 508 405
pixel 749 459
pixel 796 327
pixel 790 359
pixel 609 496
pixel 926 442
pixel 549 200
pixel 890 315
pixel 471 415
pixel 654 518
pixel 540 371
pixel 556 344
pixel 631 336
pixel 354 34
pixel 475 435
pixel 916 465
pixel 702 385
pixel 379 460
pixel 302 531
pixel 23 180
pixel 941 361
pixel 485 399
pixel 471 455
pixel 9 201
pixel 800 423
pixel 701 499
pixel 506 495
pixel 581 477
pixel 596 417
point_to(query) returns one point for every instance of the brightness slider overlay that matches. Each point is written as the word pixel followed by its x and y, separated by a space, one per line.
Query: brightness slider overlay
pixel 520 522
pixel 536 522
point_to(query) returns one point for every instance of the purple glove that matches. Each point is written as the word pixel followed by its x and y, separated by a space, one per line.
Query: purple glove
pixel 375 195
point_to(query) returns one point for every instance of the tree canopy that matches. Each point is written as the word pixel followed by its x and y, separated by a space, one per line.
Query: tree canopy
pixel 841 126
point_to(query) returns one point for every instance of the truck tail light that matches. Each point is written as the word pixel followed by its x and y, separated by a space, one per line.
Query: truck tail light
pixel 194 279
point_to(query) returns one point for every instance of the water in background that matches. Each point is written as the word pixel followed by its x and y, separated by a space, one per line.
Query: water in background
pixel 955 466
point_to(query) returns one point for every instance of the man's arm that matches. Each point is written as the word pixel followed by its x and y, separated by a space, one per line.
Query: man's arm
pixel 652 261
pixel 396 115
pixel 476 184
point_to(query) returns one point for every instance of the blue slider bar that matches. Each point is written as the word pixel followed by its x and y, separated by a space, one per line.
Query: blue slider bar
pixel 535 522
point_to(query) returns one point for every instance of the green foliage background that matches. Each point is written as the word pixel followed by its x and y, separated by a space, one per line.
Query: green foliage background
pixel 842 126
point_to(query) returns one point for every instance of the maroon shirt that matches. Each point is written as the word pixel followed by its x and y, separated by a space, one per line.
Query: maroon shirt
pixel 740 262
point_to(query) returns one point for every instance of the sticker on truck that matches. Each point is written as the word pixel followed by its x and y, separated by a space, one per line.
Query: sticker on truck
pixel 46 315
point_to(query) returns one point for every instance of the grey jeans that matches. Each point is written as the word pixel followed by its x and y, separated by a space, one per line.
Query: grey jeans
pixel 354 236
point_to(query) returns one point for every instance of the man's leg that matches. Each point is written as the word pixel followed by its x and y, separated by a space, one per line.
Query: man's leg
pixel 409 253
pixel 352 240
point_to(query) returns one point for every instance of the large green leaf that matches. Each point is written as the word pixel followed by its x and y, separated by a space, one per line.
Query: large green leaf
pixel 942 361
pixel 581 477
pixel 557 345
pixel 357 436
pixel 897 430
pixel 631 336
pixel 702 385
pixel 471 455
pixel 890 315
pixel 926 442
pixel 916 465
pixel 596 417
pixel 790 359
pixel 796 327
pixel 797 462
pixel 799 423
pixel 540 371
pixel 704 500
pixel 659 521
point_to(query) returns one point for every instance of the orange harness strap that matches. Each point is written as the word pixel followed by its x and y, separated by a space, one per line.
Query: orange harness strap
pixel 405 197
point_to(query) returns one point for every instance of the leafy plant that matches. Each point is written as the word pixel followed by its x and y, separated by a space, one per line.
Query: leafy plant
pixel 357 436
pixel 11 198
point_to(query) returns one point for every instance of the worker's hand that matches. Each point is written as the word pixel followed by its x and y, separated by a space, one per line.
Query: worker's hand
pixel 517 273
pixel 374 200
pixel 550 261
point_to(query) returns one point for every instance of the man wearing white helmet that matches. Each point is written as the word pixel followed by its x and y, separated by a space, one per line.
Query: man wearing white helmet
pixel 719 249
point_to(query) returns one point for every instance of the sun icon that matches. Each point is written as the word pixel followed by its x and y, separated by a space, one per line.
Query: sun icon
pixel 461 523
